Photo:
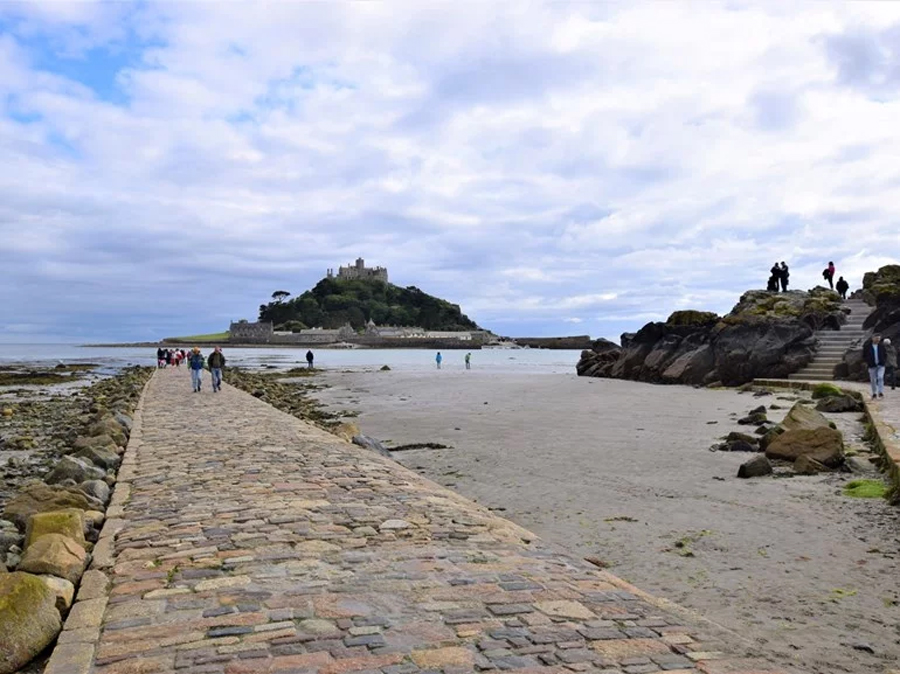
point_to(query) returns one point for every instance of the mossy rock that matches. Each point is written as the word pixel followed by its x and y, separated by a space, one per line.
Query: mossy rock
pixel 866 489
pixel 29 620
pixel 888 274
pixel 692 318
pixel 38 497
pixel 68 522
pixel 57 555
pixel 825 390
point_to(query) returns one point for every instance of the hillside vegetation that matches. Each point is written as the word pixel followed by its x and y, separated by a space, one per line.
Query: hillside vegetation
pixel 335 302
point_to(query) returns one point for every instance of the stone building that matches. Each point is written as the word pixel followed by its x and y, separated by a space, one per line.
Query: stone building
pixel 359 270
pixel 244 331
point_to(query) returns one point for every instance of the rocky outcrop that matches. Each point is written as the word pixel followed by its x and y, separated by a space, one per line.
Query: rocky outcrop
pixel 882 290
pixel 765 335
pixel 29 619
pixel 825 445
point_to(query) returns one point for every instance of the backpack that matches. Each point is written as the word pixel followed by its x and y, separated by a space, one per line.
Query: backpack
pixel 825 273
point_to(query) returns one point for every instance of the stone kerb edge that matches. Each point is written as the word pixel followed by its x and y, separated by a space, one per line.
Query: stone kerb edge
pixel 884 435
pixel 74 650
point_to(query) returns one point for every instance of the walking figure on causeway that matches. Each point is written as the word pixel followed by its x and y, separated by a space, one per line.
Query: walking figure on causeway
pixel 875 356
pixel 842 288
pixel 828 274
pixel 216 362
pixel 196 363
pixel 468 361
pixel 309 359
pixel 437 359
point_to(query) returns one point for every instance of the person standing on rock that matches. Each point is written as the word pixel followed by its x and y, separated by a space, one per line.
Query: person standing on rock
pixel 309 359
pixel 842 287
pixel 875 356
pixel 216 362
pixel 196 364
pixel 437 359
pixel 890 363
pixel 828 274
pixel 773 279
pixel 783 276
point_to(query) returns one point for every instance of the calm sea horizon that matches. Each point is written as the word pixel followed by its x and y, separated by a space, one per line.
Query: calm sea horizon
pixel 545 361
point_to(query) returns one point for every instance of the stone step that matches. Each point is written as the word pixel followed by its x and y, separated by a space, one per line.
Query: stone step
pixel 811 377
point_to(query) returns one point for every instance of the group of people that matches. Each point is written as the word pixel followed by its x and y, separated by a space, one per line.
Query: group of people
pixel 780 274
pixel 881 359
pixel 166 357
pixel 195 362
pixel 438 359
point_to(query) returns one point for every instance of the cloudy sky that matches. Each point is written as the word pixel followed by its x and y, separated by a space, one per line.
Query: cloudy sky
pixel 554 169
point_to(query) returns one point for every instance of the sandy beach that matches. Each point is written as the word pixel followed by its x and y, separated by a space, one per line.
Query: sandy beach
pixel 621 472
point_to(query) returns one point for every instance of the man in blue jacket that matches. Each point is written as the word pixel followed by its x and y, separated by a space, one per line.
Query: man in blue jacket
pixel 876 358
pixel 196 363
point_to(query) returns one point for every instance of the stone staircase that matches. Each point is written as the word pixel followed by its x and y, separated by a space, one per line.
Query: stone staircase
pixel 834 343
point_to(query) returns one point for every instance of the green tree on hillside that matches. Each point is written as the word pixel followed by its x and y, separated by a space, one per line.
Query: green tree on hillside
pixel 334 302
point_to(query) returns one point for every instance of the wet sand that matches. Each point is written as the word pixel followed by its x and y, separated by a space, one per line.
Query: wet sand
pixel 621 472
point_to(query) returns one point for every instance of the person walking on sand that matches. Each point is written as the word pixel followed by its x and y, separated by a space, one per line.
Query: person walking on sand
pixel 309 359
pixel 196 364
pixel 216 362
pixel 437 359
pixel 875 356
pixel 842 287
pixel 784 275
pixel 828 274
pixel 468 361
pixel 890 363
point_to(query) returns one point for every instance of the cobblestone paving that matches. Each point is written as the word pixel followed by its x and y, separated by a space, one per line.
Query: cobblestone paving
pixel 242 539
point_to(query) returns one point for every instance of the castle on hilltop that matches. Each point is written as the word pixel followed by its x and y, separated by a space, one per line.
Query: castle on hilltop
pixel 359 270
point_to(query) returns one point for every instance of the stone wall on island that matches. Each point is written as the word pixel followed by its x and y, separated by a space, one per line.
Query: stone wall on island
pixel 766 334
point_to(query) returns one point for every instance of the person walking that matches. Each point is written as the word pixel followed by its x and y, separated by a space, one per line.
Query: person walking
pixel 784 275
pixel 468 361
pixel 828 274
pixel 875 356
pixel 160 358
pixel 216 362
pixel 890 363
pixel 437 359
pixel 842 287
pixel 309 359
pixel 196 364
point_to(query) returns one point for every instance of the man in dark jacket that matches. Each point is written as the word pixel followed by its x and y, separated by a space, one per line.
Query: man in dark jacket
pixel 876 359
pixel 216 362
pixel 842 287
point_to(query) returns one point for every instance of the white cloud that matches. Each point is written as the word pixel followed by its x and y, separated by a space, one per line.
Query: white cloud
pixel 538 164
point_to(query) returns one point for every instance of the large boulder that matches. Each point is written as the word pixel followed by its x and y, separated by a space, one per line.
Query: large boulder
pixel 29 619
pixel 68 522
pixel 104 458
pixel 806 465
pixel 57 555
pixel 840 403
pixel 38 497
pixel 97 489
pixel 86 441
pixel 804 416
pixel 72 468
pixel 825 445
pixel 757 466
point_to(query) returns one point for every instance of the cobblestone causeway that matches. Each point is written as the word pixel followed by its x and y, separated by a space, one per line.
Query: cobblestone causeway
pixel 241 539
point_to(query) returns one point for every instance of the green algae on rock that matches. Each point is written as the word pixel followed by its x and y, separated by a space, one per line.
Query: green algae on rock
pixel 29 619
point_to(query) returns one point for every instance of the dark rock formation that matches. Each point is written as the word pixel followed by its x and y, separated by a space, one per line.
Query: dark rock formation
pixel 881 289
pixel 757 466
pixel 765 335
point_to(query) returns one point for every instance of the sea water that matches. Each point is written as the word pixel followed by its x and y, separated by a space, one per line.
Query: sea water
pixel 494 360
